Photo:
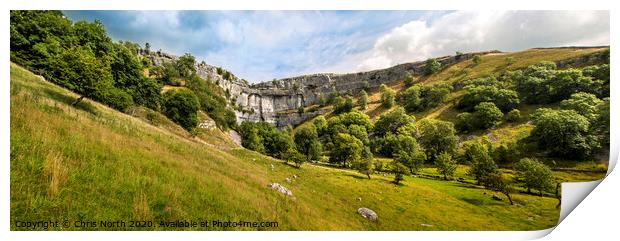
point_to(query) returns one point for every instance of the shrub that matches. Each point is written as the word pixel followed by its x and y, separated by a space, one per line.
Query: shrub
pixel 533 174
pixel 513 116
pixel 181 106
pixel 391 121
pixel 399 171
pixel 583 103
pixel 477 59
pixel 409 80
pixel 362 99
pixel 437 136
pixel 563 133
pixel 487 115
pixel 432 66
pixel 387 96
pixel 446 166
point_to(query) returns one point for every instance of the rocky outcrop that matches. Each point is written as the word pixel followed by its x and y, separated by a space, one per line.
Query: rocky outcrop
pixel 276 101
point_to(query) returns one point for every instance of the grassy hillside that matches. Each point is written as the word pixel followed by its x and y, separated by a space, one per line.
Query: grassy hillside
pixel 93 163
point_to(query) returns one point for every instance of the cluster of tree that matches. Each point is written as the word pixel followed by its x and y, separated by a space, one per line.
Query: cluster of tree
pixel 488 90
pixel 210 95
pixel 543 83
pixel 267 139
pixel 484 116
pixel 419 98
pixel 81 57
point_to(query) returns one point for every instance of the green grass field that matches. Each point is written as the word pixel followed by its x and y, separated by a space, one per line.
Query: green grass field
pixel 92 163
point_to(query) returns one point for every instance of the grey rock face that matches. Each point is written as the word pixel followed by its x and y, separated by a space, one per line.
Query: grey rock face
pixel 368 214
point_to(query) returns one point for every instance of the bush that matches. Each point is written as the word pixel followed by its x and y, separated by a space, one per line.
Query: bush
pixel 513 116
pixel 437 136
pixel 181 106
pixel 307 141
pixel 117 99
pixel 391 121
pixel 487 115
pixel 504 99
pixel 409 80
pixel 432 66
pixel 446 166
pixel 387 96
pixel 362 99
pixel 347 149
pixel 583 103
pixel 399 171
pixel 477 59
pixel 563 133
pixel 342 105
pixel 533 174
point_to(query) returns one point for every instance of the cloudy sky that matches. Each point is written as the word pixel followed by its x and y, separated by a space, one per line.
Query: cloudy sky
pixel 262 45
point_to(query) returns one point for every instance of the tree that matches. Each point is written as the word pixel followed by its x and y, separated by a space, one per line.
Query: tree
pixel 495 181
pixel 411 98
pixel 487 115
pixel 321 124
pixel 504 99
pixel 477 59
pixel 437 136
pixel 186 65
pixel 510 60
pixel 481 162
pixel 387 96
pixel 365 165
pixel 346 149
pixel 465 122
pixel 432 66
pixel 409 80
pixel 307 141
pixel 253 141
pixel 399 171
pixel 513 116
pixel 413 161
pixel 342 105
pixel 446 166
pixel 363 99
pixel 295 157
pixel 391 121
pixel 583 103
pixel 78 69
pixel 181 106
pixel 563 133
pixel 147 48
pixel 533 174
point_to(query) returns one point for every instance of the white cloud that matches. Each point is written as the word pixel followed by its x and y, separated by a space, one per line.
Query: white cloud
pixel 475 31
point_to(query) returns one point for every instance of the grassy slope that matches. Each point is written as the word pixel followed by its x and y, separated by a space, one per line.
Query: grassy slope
pixel 93 163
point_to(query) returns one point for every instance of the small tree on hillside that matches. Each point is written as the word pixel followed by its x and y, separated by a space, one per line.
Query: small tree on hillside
pixel 181 106
pixel 432 66
pixel 533 174
pixel 362 99
pixel 487 115
pixel 446 166
pixel 409 80
pixel 399 171
pixel 477 59
pixel 495 181
pixel 482 163
pixel 388 96
pixel 307 141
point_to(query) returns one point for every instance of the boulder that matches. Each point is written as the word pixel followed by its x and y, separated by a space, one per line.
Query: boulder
pixel 368 214
pixel 495 197
pixel 278 187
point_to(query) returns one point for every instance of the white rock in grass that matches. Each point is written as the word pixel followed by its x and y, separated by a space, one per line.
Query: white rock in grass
pixel 367 213
pixel 280 188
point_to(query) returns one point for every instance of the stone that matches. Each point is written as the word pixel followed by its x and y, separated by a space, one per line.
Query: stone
pixel 295 176
pixel 368 214
pixel 359 199
pixel 278 187
pixel 288 180
pixel 235 137
pixel 495 197
pixel 425 225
